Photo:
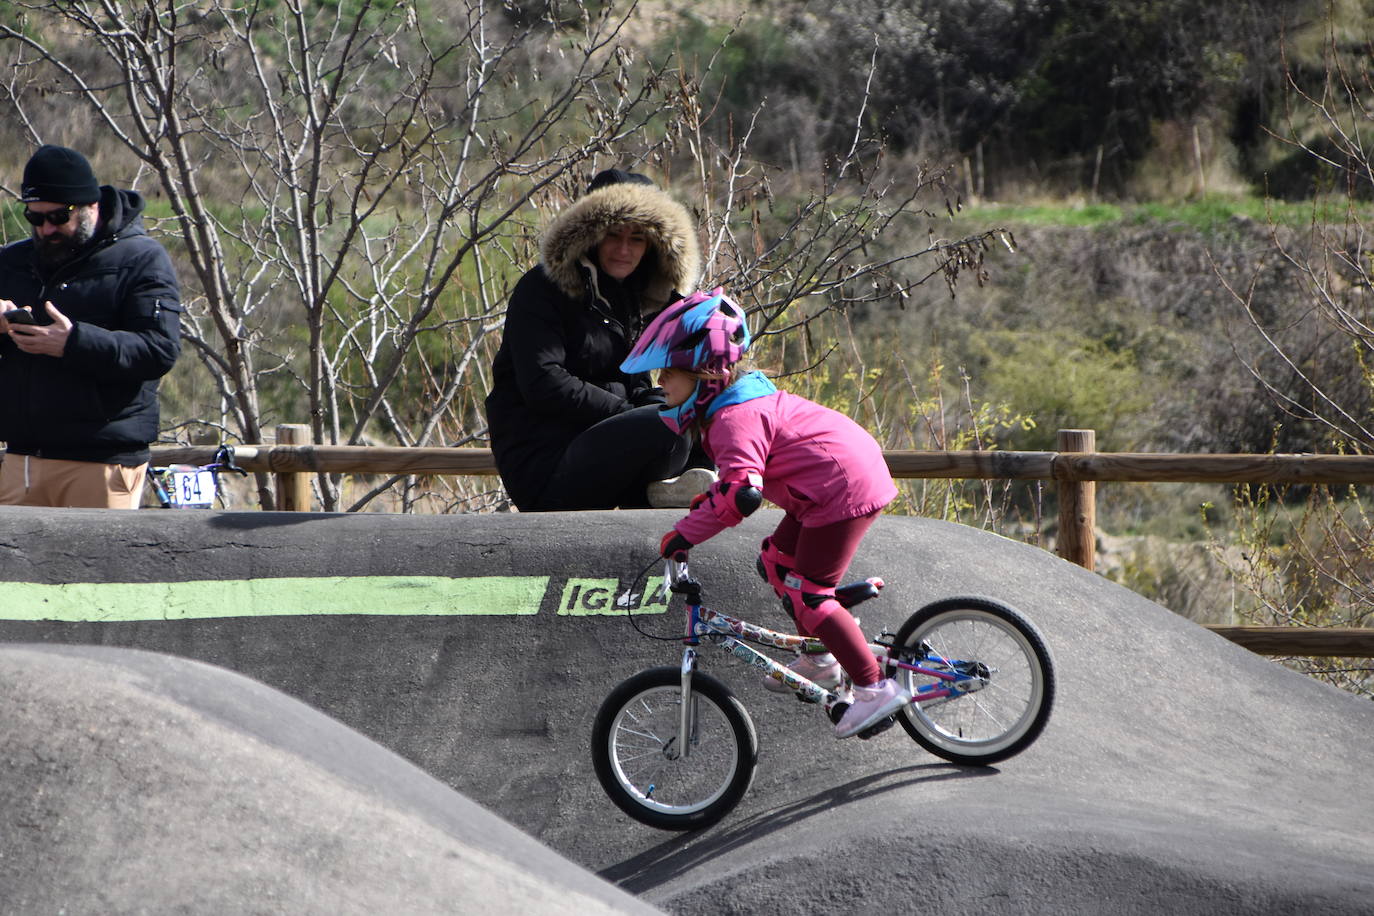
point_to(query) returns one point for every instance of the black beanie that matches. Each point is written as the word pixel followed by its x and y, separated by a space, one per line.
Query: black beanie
pixel 59 175
pixel 617 176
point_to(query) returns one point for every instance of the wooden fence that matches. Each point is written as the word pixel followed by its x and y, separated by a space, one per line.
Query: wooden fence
pixel 1075 470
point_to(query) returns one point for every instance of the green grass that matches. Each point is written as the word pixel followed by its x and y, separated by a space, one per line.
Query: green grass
pixel 1041 215
pixel 1205 214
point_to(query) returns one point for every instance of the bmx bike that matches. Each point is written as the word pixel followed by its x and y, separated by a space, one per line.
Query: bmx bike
pixel 190 486
pixel 675 749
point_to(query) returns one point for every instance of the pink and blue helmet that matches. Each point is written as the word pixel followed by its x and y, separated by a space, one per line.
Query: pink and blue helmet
pixel 706 332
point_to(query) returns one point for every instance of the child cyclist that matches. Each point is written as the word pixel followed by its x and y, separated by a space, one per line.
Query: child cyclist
pixel 823 469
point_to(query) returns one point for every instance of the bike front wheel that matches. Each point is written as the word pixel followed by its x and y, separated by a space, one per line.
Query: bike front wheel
pixel 991 695
pixel 656 775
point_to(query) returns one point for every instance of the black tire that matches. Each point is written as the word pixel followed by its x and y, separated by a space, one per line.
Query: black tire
pixel 634 740
pixel 1011 709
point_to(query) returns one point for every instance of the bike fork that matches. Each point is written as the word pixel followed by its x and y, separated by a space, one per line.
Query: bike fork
pixel 686 720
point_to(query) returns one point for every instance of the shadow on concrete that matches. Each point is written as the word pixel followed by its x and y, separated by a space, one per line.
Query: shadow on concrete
pixel 674 858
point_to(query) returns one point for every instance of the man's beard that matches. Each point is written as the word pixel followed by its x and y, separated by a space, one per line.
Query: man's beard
pixel 56 250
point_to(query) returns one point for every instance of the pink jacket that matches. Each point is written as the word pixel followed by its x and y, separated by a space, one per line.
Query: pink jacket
pixel 816 463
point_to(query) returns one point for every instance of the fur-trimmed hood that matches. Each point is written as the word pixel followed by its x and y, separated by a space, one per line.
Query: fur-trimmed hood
pixel 581 226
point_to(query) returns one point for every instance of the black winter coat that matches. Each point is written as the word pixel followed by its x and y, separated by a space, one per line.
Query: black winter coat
pixel 557 372
pixel 98 401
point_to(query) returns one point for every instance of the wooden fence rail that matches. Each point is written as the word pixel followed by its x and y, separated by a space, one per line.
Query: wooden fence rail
pixel 1055 466
pixel 1075 470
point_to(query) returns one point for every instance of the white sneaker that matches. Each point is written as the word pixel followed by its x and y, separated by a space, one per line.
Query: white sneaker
pixel 677 492
pixel 822 670
pixel 871 705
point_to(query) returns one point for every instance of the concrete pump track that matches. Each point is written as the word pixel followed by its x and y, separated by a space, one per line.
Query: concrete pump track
pixel 311 713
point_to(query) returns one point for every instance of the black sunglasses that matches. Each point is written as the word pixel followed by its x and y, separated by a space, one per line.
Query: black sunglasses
pixel 56 217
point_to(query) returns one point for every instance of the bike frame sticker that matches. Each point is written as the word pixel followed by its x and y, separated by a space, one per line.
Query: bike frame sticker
pixel 112 602
pixel 604 597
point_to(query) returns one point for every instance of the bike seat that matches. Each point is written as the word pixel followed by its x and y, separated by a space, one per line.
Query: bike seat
pixel 856 592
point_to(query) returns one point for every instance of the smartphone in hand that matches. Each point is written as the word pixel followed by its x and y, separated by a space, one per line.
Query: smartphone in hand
pixel 20 316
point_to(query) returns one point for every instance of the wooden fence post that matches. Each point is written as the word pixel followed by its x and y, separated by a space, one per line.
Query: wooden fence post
pixel 293 489
pixel 1077 540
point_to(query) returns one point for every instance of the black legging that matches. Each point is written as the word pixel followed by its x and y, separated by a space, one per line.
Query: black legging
pixel 610 464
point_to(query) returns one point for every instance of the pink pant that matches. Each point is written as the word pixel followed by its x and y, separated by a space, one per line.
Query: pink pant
pixel 823 555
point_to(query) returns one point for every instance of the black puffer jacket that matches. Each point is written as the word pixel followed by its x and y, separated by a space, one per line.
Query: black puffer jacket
pixel 557 372
pixel 98 401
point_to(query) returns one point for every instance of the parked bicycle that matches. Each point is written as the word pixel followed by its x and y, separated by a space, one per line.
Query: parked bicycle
pixel 675 749
pixel 190 486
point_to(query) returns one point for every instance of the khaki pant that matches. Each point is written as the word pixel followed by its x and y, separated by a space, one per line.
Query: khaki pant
pixel 29 481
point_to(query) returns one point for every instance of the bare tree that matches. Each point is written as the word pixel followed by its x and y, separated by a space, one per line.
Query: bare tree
pixel 348 192
pixel 1308 556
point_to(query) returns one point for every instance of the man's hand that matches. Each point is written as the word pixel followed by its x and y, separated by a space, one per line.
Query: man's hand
pixel 42 339
pixel 674 546
pixel 6 306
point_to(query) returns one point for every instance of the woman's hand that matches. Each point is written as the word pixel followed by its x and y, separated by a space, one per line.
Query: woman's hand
pixel 644 397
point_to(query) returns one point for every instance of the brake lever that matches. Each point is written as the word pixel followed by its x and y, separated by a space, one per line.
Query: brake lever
pixel 224 457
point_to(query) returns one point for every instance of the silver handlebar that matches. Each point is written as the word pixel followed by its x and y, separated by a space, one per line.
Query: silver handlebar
pixel 674 571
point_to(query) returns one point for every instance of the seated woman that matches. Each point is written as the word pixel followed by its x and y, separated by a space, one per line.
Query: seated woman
pixel 568 429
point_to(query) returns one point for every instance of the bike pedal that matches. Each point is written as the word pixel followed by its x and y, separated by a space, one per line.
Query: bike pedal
pixel 877 728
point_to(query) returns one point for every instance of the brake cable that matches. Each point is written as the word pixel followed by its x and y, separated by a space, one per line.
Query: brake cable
pixel 628 595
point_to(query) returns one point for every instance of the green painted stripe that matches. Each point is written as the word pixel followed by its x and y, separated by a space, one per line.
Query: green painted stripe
pixel 385 595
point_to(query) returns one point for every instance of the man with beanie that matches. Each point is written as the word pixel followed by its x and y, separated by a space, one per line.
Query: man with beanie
pixel 98 324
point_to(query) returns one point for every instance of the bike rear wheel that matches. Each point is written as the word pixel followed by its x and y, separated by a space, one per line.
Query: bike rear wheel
pixel 636 750
pixel 1002 701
